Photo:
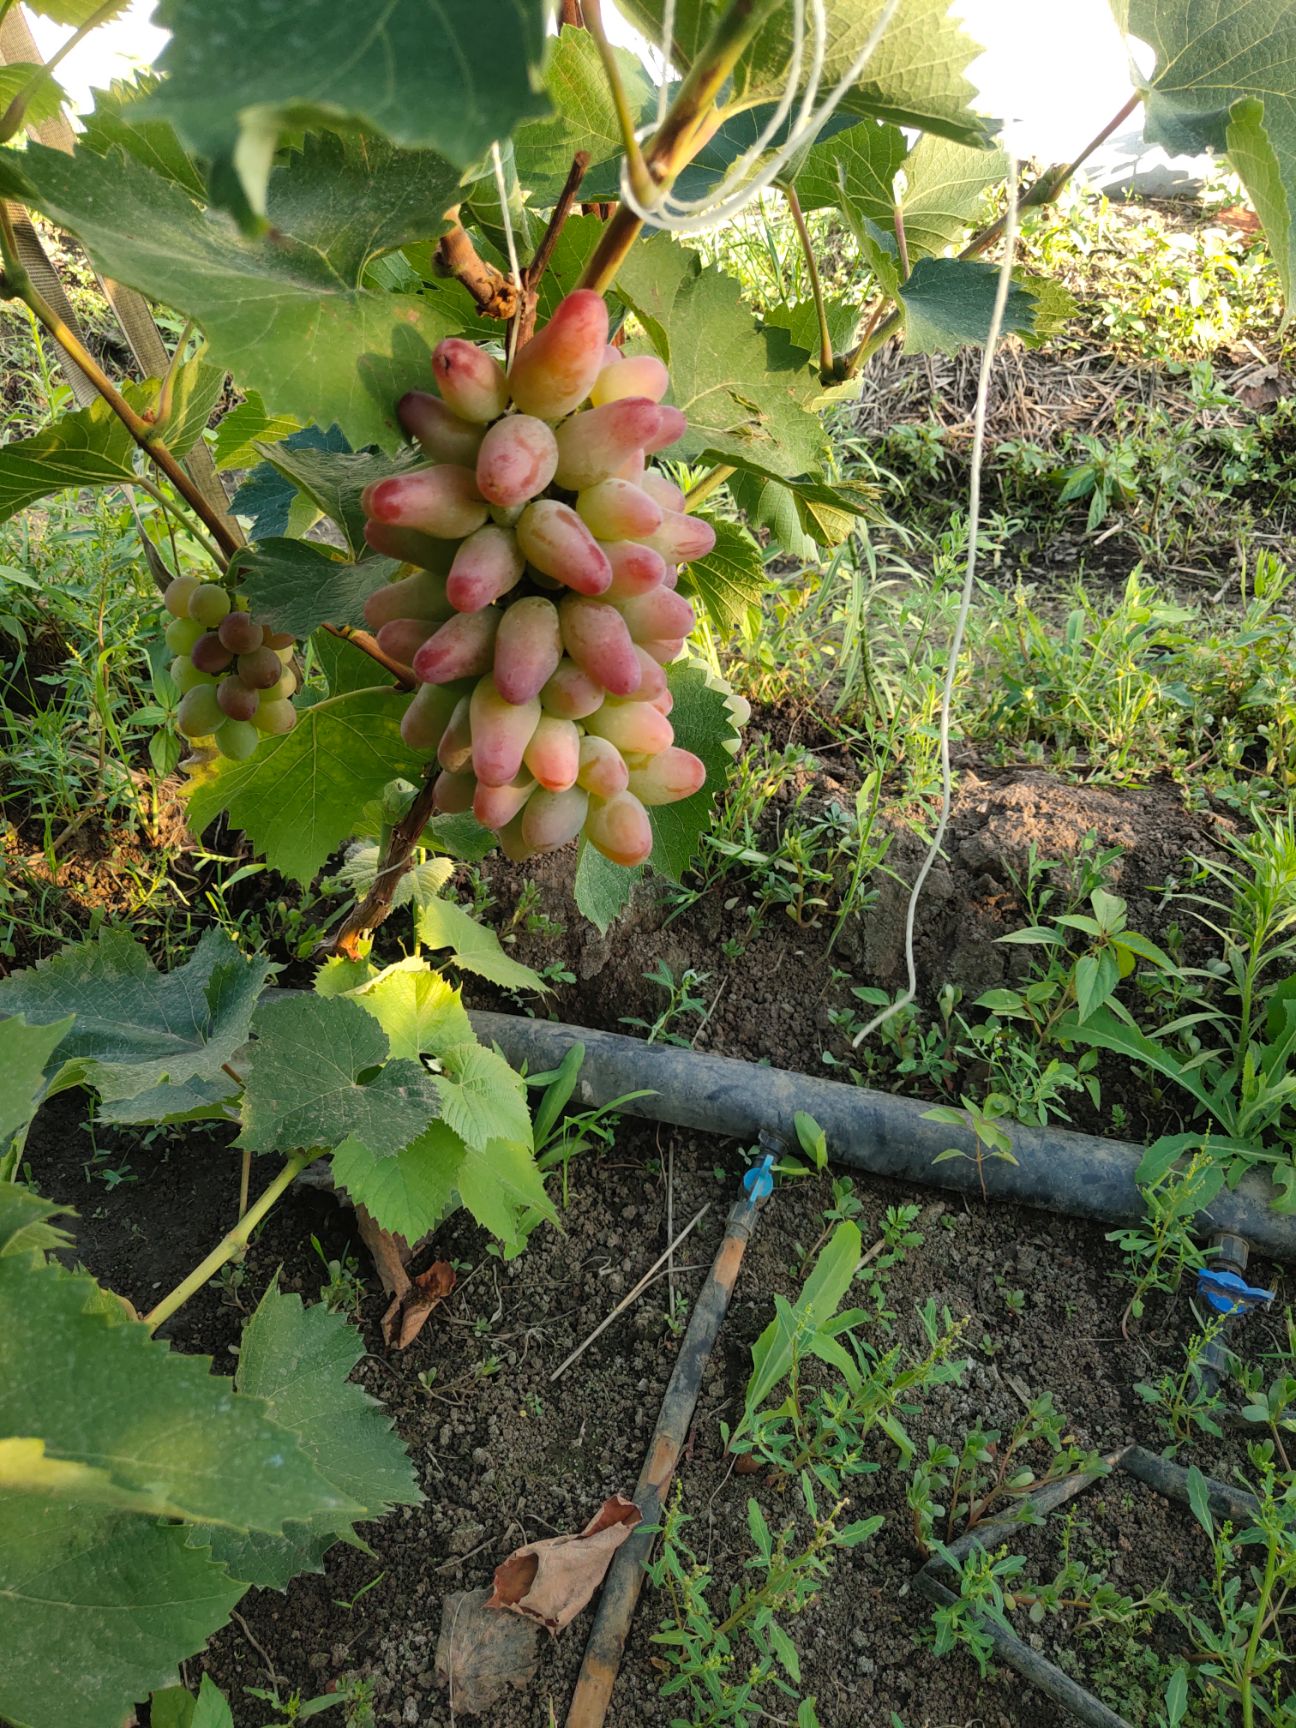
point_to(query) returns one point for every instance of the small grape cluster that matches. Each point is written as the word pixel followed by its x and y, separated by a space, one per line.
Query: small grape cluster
pixel 543 609
pixel 235 675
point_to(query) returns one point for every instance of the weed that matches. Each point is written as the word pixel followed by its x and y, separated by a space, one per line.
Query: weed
pixel 343 1291
pixel 681 1003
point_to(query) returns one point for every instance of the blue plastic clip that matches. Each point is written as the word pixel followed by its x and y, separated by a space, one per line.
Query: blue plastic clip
pixel 758 1182
pixel 1228 1292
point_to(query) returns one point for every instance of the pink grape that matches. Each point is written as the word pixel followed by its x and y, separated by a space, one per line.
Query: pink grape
pixel 516 460
pixel 634 468
pixel 496 806
pixel 209 653
pixel 558 543
pixel 500 732
pixel 488 563
pixel 453 793
pixel 553 753
pixel 603 768
pixel 596 638
pixel 422 595
pixel 663 652
pixel 472 383
pixel 511 843
pixel 463 647
pixel 636 728
pixel 454 752
pixel 556 370
pixel 635 568
pixel 672 424
pixel 663 701
pixel 668 776
pixel 652 682
pixel 571 694
pixel 240 632
pixel 665 491
pixel 401 638
pixel 236 700
pixel 633 375
pixel 682 538
pixel 279 639
pixel 619 828
pixel 657 616
pixel 441 501
pixel 554 819
pixel 593 445
pixel 528 648
pixel 618 510
pixel 442 434
pixel 260 669
pixel 408 546
pixel 425 719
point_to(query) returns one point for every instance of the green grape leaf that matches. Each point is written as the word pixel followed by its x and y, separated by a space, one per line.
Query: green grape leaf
pixel 801 321
pixel 195 1100
pixel 584 117
pixel 195 391
pixel 947 303
pixel 76 12
pixel 299 796
pixel 473 948
pixel 156 1429
pixel 276 312
pixel 420 1011
pixel 295 585
pixel 410 1192
pixel 275 504
pixel 1225 79
pixel 297 1360
pixel 307 1080
pixel 24 1052
pixel 703 725
pixel 916 75
pixel 113 123
pixel 47 96
pixel 120 1598
pixel 244 427
pixel 24 1220
pixel 602 889
pixel 730 580
pixel 461 837
pixel 346 668
pixel 501 1186
pixel 857 166
pixel 334 479
pixel 803 515
pixel 702 176
pixel 137 1028
pixel 444 75
pixel 746 391
pixel 482 1098
pixel 89 447
pixel 210 1708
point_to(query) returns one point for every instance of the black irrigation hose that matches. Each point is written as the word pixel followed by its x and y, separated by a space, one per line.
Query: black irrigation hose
pixel 1077 1174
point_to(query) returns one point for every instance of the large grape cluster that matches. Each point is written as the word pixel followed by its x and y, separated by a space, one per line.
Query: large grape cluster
pixel 235 675
pixel 543 609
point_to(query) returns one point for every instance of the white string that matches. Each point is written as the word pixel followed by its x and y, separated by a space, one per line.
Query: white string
pixel 514 267
pixel 668 33
pixel 965 604
pixel 692 215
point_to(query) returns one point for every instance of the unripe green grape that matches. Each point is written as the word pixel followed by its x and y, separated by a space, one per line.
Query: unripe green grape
pixel 186 676
pixel 209 603
pixel 182 633
pixel 274 717
pixel 199 713
pixel 176 598
pixel 280 692
pixel 237 739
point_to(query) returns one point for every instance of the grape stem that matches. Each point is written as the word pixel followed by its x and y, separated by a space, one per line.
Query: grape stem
pixel 493 293
pixel 392 865
pixel 18 285
pixel 812 271
pixel 526 314
pixel 362 640
pixel 683 132
pixel 233 1242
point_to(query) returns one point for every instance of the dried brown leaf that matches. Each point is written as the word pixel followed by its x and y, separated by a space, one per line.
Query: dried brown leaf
pixel 410 1307
pixel 551 1581
pixel 479 1655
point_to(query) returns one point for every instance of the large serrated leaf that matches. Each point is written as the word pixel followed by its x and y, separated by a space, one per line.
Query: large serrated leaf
pixel 25 1226
pixel 419 1010
pixel 1225 79
pixel 299 796
pixel 746 391
pixel 731 579
pixel 295 585
pixel 334 478
pixel 277 311
pixel 24 1052
pixel 501 1186
pixel 307 1080
pixel 445 75
pixel 474 948
pixel 296 1361
pixel 584 118
pixel 244 427
pixel 947 304
pixel 137 1028
pixel 410 1192
pixel 482 1098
